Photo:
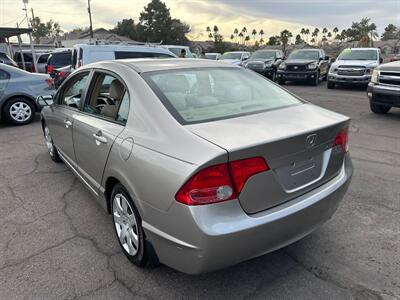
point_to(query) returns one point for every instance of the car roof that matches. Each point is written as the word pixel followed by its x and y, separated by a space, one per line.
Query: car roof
pixel 151 64
pixel 363 48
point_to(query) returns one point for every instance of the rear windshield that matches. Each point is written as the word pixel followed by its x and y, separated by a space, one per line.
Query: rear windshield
pixel 263 55
pixel 131 54
pixel 231 55
pixel 60 59
pixel 43 58
pixel 353 54
pixel 304 55
pixel 205 94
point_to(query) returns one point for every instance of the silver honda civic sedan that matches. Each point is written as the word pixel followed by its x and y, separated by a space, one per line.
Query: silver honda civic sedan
pixel 201 164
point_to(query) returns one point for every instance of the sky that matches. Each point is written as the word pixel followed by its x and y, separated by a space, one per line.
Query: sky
pixel 270 15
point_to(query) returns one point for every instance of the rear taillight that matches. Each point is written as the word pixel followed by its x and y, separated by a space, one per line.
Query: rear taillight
pixel 342 140
pixel 50 69
pixel 221 182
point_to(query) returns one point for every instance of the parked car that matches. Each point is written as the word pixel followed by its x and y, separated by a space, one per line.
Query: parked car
pixel 18 91
pixel 234 57
pixel 354 66
pixel 41 62
pixel 176 49
pixel 384 88
pixel 265 62
pixel 213 56
pixel 58 59
pixel 5 59
pixel 28 59
pixel 61 74
pixel 304 65
pixel 201 164
pixel 83 54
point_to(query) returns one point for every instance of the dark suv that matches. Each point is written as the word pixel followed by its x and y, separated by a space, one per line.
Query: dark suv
pixel 384 89
pixel 306 65
pixel 265 62
pixel 58 59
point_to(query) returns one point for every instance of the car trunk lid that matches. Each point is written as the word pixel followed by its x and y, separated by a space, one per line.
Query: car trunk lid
pixel 296 143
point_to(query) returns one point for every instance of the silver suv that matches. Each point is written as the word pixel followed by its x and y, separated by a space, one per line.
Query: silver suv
pixel 354 66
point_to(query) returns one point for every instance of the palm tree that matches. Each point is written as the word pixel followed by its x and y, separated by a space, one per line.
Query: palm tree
pixel 329 35
pixel 315 34
pixel 335 30
pixel 244 30
pixel 313 40
pixel 307 32
pixel 284 38
pixel 302 32
pixel 236 32
pixel 254 33
pixel 241 37
pixel 261 33
pixel 261 41
pixel 215 29
pixel 324 39
pixel 324 30
pixel 246 39
pixel 232 37
pixel 210 36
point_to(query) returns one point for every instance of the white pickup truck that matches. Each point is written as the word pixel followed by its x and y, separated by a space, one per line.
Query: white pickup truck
pixel 354 66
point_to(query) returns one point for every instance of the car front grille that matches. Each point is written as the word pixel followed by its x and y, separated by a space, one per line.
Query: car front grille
pixel 351 70
pixel 392 78
pixel 296 68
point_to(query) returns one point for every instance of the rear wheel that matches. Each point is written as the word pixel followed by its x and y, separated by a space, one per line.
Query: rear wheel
pixel 379 109
pixel 19 111
pixel 330 85
pixel 128 227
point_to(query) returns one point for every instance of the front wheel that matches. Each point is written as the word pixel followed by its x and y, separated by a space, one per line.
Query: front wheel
pixel 19 111
pixel 379 109
pixel 128 227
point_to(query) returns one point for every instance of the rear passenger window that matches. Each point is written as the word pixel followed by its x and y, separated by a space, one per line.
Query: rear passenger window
pixel 72 93
pixel 106 96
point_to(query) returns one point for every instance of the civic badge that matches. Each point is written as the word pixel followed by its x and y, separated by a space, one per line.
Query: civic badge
pixel 311 141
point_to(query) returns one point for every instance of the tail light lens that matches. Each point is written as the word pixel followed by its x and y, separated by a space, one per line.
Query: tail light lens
pixel 219 183
pixel 50 69
pixel 342 139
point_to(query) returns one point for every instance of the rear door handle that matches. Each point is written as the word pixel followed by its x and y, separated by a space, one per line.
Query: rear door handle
pixel 99 138
pixel 67 123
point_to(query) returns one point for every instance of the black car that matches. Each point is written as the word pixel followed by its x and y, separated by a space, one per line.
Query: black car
pixel 5 59
pixel 28 60
pixel 384 88
pixel 57 60
pixel 265 62
pixel 60 74
pixel 305 65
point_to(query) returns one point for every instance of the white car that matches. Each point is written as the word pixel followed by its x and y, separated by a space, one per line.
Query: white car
pixel 213 56
pixel 83 54
pixel 354 66
pixel 234 57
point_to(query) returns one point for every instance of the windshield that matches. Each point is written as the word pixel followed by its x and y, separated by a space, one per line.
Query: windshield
pixel 264 55
pixel 304 55
pixel 204 94
pixel 353 54
pixel 231 55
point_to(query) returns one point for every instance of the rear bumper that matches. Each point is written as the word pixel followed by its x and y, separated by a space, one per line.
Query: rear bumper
pixel 384 94
pixel 221 235
pixel 349 79
pixel 297 76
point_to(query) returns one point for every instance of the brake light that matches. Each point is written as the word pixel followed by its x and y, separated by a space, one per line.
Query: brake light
pixel 342 139
pixel 50 69
pixel 219 183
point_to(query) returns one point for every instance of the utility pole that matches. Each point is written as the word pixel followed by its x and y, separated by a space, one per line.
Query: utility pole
pixel 90 20
pixel 33 19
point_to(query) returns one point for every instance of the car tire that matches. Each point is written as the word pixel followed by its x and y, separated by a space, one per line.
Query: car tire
pixel 330 85
pixel 315 81
pixel 128 228
pixel 379 109
pixel 51 148
pixel 19 111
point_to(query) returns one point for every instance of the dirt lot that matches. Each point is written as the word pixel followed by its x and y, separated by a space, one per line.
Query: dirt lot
pixel 57 243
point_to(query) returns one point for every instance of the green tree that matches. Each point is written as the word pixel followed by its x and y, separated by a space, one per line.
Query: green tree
pixel 215 29
pixel 285 38
pixel 329 35
pixel 312 41
pixel 247 39
pixel 236 32
pixel 315 34
pixel 157 25
pixel 261 33
pixel 127 28
pixel 335 30
pixel 241 37
pixel 307 32
pixel 364 32
pixel 254 33
pixel 49 29
pixel 324 30
pixel 232 37
pixel 274 40
pixel 298 40
pixel 391 32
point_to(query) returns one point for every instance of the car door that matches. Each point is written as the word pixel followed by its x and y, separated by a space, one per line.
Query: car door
pixel 64 110
pixel 98 125
pixel 4 79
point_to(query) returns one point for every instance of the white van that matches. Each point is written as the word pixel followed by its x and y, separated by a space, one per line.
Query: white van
pixel 83 54
pixel 176 49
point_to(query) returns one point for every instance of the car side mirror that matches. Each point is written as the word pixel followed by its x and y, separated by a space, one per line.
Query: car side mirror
pixel 45 100
pixel 381 60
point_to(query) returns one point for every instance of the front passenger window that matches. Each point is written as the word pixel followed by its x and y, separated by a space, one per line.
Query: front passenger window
pixel 73 92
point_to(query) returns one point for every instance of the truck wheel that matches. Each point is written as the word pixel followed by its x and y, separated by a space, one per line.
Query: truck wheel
pixel 379 109
pixel 330 85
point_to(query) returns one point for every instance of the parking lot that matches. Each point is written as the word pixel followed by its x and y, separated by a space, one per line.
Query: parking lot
pixel 57 243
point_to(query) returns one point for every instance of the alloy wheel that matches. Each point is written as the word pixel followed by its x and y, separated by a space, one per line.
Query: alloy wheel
pixel 20 111
pixel 49 141
pixel 125 224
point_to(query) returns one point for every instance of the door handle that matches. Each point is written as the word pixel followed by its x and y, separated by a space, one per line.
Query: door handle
pixel 67 123
pixel 99 138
